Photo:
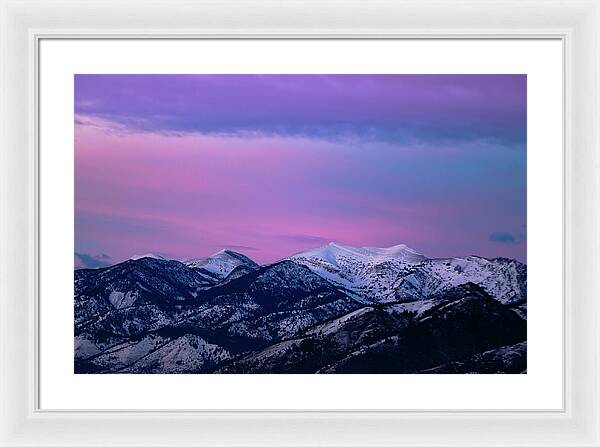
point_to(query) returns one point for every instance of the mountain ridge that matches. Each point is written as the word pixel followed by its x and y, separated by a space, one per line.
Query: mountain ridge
pixel 401 273
pixel 226 314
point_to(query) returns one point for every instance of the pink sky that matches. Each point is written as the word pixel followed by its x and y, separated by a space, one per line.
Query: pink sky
pixel 269 194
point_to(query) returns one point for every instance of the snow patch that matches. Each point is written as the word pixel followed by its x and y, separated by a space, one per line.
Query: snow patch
pixel 148 255
pixel 121 300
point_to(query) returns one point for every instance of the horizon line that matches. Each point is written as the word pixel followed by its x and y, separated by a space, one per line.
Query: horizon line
pixel 183 260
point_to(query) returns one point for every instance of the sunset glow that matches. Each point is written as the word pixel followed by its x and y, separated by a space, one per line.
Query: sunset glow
pixel 270 165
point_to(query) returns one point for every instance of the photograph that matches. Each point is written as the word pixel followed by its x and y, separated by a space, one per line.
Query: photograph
pixel 300 224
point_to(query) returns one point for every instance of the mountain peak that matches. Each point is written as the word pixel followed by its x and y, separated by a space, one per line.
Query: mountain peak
pixel 332 251
pixel 224 251
pixel 147 255
pixel 394 250
pixel 222 262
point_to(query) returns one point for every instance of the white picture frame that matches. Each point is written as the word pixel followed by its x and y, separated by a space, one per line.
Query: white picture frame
pixel 24 23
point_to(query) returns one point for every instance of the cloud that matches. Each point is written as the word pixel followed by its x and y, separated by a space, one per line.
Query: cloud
pixel 86 261
pixel 153 170
pixel 388 108
pixel 503 237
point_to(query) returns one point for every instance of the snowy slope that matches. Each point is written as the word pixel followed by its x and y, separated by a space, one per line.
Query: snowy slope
pixel 503 279
pixel 187 354
pixel 400 273
pixel 331 309
pixel 147 255
pixel 359 268
pixel 221 263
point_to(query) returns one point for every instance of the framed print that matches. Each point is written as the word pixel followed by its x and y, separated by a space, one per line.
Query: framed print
pixel 194 266
pixel 312 230
pixel 291 307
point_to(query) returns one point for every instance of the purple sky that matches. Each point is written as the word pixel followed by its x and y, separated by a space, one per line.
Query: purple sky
pixel 270 165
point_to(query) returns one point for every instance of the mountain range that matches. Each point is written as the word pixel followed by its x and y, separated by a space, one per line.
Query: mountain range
pixel 332 309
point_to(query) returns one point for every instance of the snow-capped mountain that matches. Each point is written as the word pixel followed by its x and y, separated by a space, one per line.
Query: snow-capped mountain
pixel 147 255
pixel 128 312
pixel 271 302
pixel 368 271
pixel 221 263
pixel 504 279
pixel 334 309
pixel 380 340
pixel 400 273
